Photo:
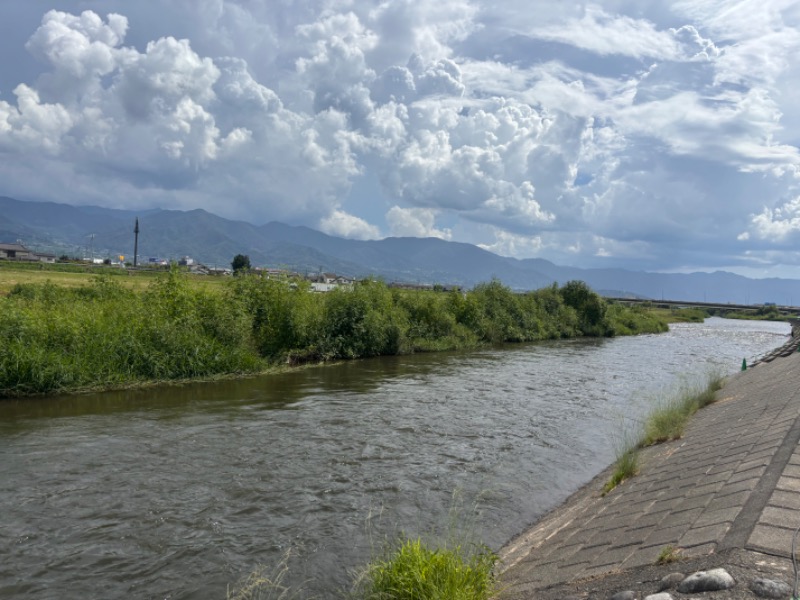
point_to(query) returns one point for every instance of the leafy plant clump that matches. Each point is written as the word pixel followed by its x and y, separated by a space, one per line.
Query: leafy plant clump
pixel 416 572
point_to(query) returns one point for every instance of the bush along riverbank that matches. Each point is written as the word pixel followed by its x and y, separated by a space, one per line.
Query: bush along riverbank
pixel 57 339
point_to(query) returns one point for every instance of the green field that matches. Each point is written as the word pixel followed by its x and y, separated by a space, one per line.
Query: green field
pixel 75 275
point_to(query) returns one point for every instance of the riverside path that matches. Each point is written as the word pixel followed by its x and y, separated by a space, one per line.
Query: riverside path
pixel 726 495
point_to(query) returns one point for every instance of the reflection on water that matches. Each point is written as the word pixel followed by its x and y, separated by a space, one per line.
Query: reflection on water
pixel 178 491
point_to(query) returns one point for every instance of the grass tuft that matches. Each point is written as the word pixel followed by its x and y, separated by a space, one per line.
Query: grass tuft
pixel 625 467
pixel 265 584
pixel 667 422
pixel 669 554
pixel 414 572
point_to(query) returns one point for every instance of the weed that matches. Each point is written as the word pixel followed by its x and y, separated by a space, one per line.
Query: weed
pixel 668 421
pixel 669 554
pixel 264 584
pixel 625 467
pixel 415 571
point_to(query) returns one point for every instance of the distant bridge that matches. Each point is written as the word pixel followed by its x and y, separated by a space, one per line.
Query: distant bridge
pixel 781 308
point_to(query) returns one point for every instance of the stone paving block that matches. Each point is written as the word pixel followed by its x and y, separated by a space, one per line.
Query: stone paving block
pixel 664 536
pixel 616 555
pixel 701 550
pixel 749 473
pixel 774 540
pixel 560 553
pixel 582 558
pixel 635 536
pixel 704 535
pixel 731 500
pixel 780 517
pixel 642 557
pixel 648 520
pixel 691 502
pixel 744 485
pixel 597 571
pixel 785 499
pixel 714 517
pixel 681 518
pixel 715 475
pixel 792 471
pixel 605 537
pixel 734 459
pixel 789 484
pixel 638 508
pixel 705 488
pixel 767 453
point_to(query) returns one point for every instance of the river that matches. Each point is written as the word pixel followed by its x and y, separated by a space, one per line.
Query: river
pixel 179 491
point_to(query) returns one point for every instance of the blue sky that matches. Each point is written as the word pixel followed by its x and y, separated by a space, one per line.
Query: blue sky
pixel 660 136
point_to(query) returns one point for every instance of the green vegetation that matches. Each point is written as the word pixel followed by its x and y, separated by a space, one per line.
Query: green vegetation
pixel 667 422
pixel 416 572
pixel 240 262
pixel 669 554
pixel 625 466
pixel 768 312
pixel 59 338
pixel 265 584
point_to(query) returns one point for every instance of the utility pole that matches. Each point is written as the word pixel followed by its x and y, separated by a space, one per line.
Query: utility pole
pixel 135 242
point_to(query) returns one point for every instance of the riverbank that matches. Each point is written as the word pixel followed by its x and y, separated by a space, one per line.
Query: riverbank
pixel 723 496
pixel 60 339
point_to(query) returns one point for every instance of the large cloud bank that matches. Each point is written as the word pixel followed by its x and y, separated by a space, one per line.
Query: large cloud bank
pixel 660 137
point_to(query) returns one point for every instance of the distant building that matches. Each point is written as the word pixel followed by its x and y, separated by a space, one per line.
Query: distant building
pixel 20 252
pixel 15 252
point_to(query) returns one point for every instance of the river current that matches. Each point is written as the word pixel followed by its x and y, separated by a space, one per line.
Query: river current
pixel 180 491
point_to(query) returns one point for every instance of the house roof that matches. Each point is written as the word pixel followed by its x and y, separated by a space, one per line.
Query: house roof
pixel 17 247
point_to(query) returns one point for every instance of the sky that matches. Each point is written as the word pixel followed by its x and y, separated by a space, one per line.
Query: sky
pixel 660 136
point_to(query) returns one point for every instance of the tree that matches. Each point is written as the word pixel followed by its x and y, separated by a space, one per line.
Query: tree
pixel 241 262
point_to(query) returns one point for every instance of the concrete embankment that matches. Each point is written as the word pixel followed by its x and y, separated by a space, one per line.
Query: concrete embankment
pixel 725 496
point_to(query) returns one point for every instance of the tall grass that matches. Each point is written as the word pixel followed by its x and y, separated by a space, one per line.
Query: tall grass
pixel 58 339
pixel 666 422
pixel 415 572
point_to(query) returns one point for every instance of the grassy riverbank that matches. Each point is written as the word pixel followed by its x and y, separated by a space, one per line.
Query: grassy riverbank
pixel 106 334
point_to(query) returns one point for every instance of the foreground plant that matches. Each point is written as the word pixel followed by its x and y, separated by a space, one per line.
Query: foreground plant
pixel 416 572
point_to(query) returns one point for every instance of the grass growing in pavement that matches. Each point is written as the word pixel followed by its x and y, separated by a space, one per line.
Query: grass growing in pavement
pixel 667 422
pixel 669 554
pixel 625 467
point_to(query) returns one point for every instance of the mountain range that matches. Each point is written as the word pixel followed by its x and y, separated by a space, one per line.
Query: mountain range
pixel 214 241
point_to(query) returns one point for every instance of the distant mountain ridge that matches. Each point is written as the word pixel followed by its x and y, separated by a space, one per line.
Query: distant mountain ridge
pixel 213 240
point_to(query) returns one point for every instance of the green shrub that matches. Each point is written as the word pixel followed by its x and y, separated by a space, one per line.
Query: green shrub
pixel 416 572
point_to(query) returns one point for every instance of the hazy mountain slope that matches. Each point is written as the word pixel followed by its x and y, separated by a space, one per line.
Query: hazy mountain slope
pixel 213 240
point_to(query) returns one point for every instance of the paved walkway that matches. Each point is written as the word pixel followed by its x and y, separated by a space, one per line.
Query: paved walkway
pixel 732 481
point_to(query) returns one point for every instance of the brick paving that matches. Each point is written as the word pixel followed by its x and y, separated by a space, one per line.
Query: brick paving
pixel 731 482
